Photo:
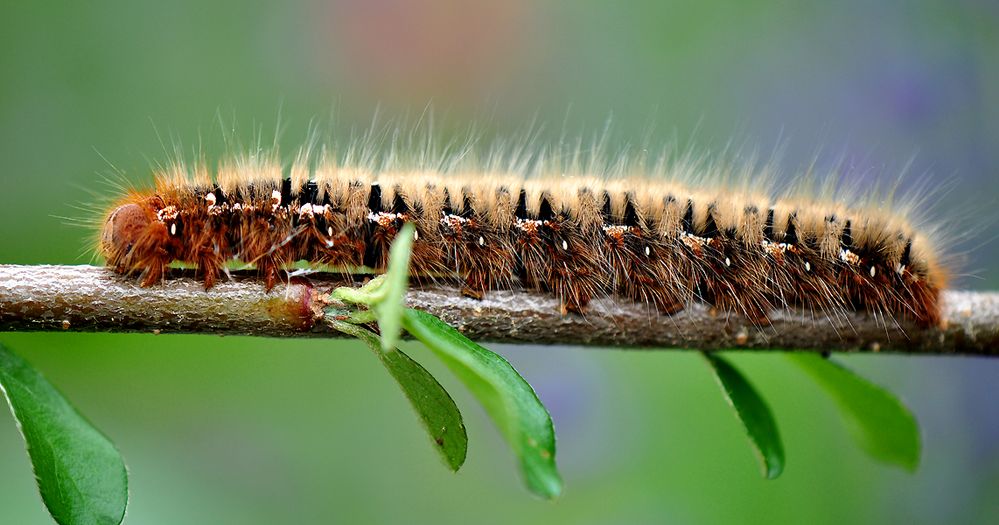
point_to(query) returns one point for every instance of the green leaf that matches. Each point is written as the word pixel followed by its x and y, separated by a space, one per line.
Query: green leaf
pixel 754 414
pixel 389 308
pixel 80 474
pixel 880 423
pixel 437 411
pixel 508 399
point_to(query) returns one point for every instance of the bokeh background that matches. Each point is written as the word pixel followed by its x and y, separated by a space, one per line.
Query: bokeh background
pixel 239 430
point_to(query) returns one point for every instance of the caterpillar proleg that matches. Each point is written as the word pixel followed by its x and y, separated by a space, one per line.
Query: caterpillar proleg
pixel 665 236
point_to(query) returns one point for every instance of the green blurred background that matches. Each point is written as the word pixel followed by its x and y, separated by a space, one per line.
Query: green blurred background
pixel 240 430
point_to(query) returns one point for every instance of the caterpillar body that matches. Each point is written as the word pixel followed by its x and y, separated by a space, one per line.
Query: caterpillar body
pixel 658 239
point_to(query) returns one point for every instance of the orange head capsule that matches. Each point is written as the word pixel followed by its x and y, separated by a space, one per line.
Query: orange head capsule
pixel 123 228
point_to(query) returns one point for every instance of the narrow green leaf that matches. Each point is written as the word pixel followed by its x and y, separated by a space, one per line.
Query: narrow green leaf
pixel 80 474
pixel 880 423
pixel 754 414
pixel 508 399
pixel 435 407
pixel 367 295
pixel 389 308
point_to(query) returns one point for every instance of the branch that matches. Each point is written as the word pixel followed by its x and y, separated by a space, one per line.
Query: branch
pixel 93 299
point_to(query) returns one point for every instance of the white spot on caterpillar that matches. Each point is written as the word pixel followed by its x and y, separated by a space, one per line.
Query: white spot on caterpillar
pixel 728 262
pixel 808 266
pixel 306 210
pixel 873 271
pixel 383 219
pixel 168 214
pixel 416 235
pixel 210 199
pixel 528 226
pixel 900 269
pixel 276 197
pixel 647 251
pixel 173 229
pixel 482 241
pixel 849 257
pixel 329 231
pixel 565 245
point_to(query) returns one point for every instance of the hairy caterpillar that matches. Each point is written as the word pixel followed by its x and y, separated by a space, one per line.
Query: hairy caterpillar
pixel 665 236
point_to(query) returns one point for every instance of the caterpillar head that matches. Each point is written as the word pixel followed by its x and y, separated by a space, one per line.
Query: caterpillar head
pixel 122 230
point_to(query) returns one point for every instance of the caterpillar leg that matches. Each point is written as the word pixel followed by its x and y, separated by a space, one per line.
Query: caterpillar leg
pixel 490 269
pixel 153 275
pixel 576 280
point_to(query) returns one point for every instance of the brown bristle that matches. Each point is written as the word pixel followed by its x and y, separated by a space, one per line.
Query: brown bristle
pixel 578 237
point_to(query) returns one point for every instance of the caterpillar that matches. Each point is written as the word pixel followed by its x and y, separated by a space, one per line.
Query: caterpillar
pixel 666 236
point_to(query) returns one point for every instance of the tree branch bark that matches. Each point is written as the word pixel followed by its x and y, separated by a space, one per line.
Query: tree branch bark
pixel 93 299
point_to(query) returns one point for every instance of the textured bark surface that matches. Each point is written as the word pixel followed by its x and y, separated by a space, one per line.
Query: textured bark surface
pixel 87 298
